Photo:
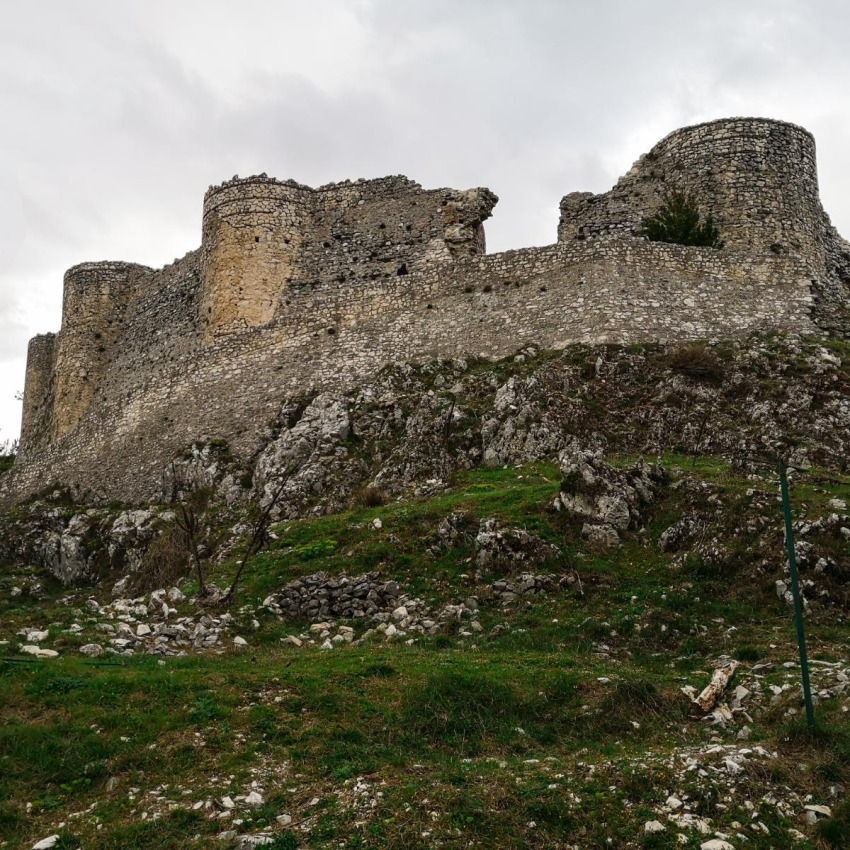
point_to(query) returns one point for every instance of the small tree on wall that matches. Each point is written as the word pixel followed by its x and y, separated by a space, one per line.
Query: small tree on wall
pixel 678 221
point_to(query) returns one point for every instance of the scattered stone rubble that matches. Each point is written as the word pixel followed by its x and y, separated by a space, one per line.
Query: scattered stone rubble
pixel 146 624
pixel 504 592
pixel 719 768
pixel 753 694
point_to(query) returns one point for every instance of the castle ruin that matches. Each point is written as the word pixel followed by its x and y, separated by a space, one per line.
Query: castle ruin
pixel 297 290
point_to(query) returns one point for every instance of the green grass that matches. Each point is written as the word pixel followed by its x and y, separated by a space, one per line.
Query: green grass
pixel 566 720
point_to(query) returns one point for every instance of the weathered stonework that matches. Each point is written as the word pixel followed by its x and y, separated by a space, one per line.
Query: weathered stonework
pixel 297 290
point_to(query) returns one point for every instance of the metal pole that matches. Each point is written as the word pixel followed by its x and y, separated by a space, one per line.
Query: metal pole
pixel 795 592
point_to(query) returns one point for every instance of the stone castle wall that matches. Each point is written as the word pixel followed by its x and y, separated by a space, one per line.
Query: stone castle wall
pixel 266 240
pixel 297 290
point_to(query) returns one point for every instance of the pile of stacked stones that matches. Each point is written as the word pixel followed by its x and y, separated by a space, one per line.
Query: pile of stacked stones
pixel 322 597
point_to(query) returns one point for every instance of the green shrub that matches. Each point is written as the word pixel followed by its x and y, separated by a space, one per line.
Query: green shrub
pixel 678 221
pixel 316 549
pixel 835 831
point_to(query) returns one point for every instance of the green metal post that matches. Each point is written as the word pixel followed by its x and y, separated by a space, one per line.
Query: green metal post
pixel 795 592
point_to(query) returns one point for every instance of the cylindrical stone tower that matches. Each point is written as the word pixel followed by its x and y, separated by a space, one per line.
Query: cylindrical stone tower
pixel 93 306
pixel 252 234
pixel 756 177
pixel 35 418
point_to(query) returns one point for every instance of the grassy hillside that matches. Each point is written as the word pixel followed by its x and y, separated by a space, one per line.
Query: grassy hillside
pixel 560 723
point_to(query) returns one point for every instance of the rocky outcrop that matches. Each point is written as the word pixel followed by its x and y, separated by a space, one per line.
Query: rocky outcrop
pixel 308 458
pixel 509 548
pixel 76 546
pixel 608 500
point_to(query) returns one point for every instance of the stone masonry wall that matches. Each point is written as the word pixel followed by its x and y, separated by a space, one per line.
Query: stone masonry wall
pixel 297 290
pixel 621 290
pixel 252 235
pixel 264 239
pixel 757 178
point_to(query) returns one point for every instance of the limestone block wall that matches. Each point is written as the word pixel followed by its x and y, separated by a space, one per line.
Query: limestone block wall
pixel 95 299
pixel 296 290
pixel 623 290
pixel 37 415
pixel 369 229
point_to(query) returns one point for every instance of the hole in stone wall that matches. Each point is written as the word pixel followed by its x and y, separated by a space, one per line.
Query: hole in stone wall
pixel 402 269
pixel 256 238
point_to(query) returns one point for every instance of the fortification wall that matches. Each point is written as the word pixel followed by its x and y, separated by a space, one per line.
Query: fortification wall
pixel 623 290
pixel 296 290
pixel 372 229
pixel 264 240
pixel 252 235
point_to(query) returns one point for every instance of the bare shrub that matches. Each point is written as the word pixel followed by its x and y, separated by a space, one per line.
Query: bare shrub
pixel 696 360
pixel 259 521
pixel 368 497
pixel 164 562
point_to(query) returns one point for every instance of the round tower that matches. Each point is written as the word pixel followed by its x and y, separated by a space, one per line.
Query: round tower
pixel 35 416
pixel 252 234
pixel 94 302
pixel 757 178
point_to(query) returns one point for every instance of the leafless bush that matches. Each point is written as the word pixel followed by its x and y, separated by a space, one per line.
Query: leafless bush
pixel 260 519
pixel 189 505
pixel 368 497
pixel 696 360
pixel 164 562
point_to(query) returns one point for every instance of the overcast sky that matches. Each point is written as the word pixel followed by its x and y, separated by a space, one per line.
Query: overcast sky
pixel 116 115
